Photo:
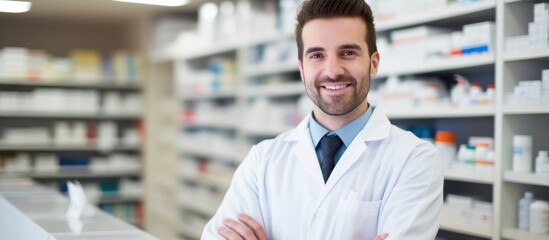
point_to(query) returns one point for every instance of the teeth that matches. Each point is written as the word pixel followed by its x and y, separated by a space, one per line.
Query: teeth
pixel 336 87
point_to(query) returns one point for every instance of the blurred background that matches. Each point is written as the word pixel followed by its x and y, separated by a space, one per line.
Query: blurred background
pixel 152 107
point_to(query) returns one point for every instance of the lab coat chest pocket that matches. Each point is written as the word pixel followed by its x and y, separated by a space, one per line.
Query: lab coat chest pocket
pixel 357 219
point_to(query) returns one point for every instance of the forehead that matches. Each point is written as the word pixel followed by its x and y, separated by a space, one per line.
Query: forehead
pixel 325 32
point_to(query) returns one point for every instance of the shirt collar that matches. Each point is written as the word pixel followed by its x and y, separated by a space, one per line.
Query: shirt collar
pixel 347 133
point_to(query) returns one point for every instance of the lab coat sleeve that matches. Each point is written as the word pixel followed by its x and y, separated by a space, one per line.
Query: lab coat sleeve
pixel 241 197
pixel 412 209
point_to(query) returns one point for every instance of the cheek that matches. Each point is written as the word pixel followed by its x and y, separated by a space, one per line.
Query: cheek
pixel 359 72
pixel 309 76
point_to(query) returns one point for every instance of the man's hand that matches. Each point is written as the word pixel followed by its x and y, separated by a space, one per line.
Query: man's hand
pixel 249 229
pixel 382 236
pixel 246 229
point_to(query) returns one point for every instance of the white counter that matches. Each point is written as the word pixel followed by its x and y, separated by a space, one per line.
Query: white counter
pixel 30 211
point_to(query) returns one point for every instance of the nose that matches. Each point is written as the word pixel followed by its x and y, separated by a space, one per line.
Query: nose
pixel 333 67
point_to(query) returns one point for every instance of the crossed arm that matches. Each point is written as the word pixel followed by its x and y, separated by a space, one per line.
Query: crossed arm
pixel 246 228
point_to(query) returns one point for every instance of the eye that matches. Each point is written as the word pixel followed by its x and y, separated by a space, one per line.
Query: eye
pixel 348 53
pixel 315 55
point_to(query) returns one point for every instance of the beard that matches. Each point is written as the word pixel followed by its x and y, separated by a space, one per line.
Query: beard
pixel 341 104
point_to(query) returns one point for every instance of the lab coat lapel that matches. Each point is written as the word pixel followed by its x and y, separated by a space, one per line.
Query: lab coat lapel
pixel 377 128
pixel 304 150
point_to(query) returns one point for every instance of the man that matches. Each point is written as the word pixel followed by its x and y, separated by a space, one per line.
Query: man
pixel 344 172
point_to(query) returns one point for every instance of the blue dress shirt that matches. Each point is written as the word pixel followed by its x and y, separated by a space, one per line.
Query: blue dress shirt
pixel 347 133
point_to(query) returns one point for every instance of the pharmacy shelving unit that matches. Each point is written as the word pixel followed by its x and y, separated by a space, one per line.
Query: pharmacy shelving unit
pixel 162 125
pixel 274 81
pixel 63 148
pixel 71 85
pixel 59 36
pixel 80 174
pixel 530 119
pixel 203 185
pixel 477 68
pixel 66 115
pixel 458 226
pixel 44 119
pixel 279 82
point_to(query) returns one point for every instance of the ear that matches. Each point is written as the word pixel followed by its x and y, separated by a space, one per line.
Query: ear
pixel 374 64
pixel 300 64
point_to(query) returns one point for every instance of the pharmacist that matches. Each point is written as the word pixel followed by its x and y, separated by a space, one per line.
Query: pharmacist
pixel 344 172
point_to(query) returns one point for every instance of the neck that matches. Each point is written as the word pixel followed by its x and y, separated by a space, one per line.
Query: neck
pixel 333 123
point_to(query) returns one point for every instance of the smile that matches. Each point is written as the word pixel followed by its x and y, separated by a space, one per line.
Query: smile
pixel 335 87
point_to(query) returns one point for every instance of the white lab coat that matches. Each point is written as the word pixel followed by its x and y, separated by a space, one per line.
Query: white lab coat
pixel 387 180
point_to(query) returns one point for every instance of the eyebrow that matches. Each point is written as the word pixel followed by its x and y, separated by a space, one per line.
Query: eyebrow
pixel 314 49
pixel 344 46
pixel 351 46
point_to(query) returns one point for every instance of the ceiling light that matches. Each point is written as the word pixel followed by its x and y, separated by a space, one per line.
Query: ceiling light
pixel 167 3
pixel 14 6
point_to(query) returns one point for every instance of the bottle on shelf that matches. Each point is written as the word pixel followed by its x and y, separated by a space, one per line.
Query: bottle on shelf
pixel 524 211
pixel 475 94
pixel 459 94
pixel 522 153
pixel 539 217
pixel 490 94
pixel 445 141
pixel 542 163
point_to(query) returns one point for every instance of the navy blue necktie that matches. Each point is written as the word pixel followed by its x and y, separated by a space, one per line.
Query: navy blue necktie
pixel 329 146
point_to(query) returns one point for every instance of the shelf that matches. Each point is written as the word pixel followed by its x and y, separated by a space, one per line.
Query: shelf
pixel 513 233
pixel 60 148
pixel 67 115
pixel 437 14
pixel 215 48
pixel 80 174
pixel 211 124
pixel 74 172
pixel 459 226
pixel 182 53
pixel 197 205
pixel 527 54
pixel 273 36
pixel 207 151
pixel 78 85
pixel 207 179
pixel 120 199
pixel 469 175
pixel 221 94
pixel 275 90
pixel 527 178
pixel 439 112
pixel 526 109
pixel 271 69
pixel 439 65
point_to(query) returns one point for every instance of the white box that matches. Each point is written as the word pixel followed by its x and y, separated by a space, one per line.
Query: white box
pixel 480 28
pixel 416 34
pixel 541 7
pixel 545 75
pixel 438 46
pixel 479 34
pixel 459 202
pixel 517 43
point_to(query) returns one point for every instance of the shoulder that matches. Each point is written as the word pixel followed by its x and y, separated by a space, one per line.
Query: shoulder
pixel 410 147
pixel 276 144
pixel 406 138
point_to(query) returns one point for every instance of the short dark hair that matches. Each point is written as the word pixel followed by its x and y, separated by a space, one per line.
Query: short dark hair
pixel 314 9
